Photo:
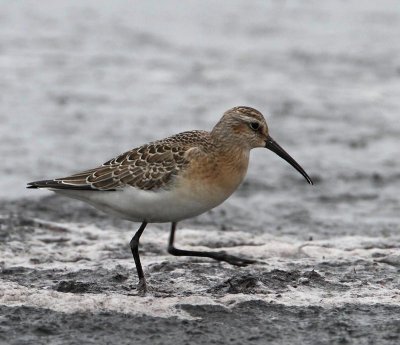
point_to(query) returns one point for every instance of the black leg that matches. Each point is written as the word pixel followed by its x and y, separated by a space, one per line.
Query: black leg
pixel 219 256
pixel 142 287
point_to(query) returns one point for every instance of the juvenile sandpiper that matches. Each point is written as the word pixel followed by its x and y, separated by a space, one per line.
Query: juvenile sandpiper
pixel 175 178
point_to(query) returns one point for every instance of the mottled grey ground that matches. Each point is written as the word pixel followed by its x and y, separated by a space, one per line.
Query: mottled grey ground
pixel 83 81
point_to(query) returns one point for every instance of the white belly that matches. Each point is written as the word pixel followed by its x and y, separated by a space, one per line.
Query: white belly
pixel 140 205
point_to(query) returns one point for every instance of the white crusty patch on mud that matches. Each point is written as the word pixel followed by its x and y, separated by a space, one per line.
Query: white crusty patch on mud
pixel 75 247
pixel 78 246
pixel 13 294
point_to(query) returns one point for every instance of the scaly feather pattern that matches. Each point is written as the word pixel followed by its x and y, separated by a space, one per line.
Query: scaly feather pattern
pixel 148 167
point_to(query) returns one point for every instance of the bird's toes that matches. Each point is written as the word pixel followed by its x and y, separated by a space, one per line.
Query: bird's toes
pixel 142 288
pixel 236 261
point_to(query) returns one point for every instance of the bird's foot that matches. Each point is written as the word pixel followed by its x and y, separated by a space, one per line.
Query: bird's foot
pixel 233 260
pixel 142 287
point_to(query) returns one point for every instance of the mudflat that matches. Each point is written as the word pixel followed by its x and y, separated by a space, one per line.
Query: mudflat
pixel 83 82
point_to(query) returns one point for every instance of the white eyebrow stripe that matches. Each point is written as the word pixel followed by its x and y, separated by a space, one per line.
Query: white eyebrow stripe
pixel 249 119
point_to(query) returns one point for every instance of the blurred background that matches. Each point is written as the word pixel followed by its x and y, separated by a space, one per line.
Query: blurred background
pixel 83 81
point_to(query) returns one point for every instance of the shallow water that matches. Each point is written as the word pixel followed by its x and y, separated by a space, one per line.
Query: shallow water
pixel 80 83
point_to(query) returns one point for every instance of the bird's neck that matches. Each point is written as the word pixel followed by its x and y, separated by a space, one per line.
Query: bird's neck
pixel 226 143
pixel 232 157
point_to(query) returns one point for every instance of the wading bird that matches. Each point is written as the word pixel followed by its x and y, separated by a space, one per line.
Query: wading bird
pixel 175 178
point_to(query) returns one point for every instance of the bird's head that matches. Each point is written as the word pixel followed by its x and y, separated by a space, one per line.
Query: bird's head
pixel 246 128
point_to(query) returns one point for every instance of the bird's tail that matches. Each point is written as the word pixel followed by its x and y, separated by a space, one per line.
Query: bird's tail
pixel 57 184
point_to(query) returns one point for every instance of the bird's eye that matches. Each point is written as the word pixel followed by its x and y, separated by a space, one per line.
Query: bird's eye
pixel 255 126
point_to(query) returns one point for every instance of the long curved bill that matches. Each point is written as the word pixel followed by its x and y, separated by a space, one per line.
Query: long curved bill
pixel 272 145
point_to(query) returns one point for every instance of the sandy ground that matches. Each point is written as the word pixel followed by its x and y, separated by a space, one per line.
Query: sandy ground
pixel 83 81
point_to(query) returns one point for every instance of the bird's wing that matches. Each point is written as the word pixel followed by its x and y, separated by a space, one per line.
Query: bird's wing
pixel 149 167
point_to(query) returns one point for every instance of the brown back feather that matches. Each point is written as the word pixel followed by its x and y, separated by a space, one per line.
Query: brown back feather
pixel 148 167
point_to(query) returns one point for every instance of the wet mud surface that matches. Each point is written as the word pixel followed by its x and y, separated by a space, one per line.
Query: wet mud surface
pixel 252 322
pixel 80 83
pixel 66 282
